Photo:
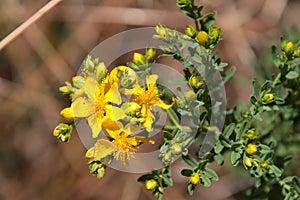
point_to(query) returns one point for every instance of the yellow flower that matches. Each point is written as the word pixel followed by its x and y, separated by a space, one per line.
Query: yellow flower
pixel 122 147
pixel 97 107
pixel 150 184
pixel 195 179
pixel 147 98
pixel 251 149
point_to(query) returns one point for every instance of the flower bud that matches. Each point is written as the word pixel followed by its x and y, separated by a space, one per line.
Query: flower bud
pixel 66 90
pixel 78 81
pixel 214 34
pixel 195 179
pixel 67 114
pixel 139 59
pixel 195 82
pixel 150 53
pixel 176 148
pixel 190 31
pixel 89 64
pixel 202 38
pixel 268 98
pixel 251 149
pixel 100 172
pixel 90 153
pixel 151 184
pixel 100 71
pixel 161 31
pixel 190 95
pixel 63 132
pixel 264 165
pixel 133 107
pixel 297 53
pixel 251 134
pixel 248 162
pixel 289 48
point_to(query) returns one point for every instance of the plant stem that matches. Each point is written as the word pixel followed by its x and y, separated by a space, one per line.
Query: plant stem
pixel 19 30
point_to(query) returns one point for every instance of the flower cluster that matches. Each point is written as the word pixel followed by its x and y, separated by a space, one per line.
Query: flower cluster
pixel 116 101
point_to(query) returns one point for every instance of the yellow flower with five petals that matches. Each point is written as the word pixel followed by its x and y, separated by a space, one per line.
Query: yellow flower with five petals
pixel 147 98
pixel 98 106
pixel 123 145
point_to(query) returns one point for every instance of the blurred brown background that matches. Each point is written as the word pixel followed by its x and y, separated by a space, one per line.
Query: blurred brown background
pixel 34 164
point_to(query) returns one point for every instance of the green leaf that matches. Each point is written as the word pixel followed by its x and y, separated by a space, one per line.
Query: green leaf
pixel 275 170
pixel 219 159
pixel 187 172
pixel 145 177
pixel 191 189
pixel 240 129
pixel 219 147
pixel 190 161
pixel 292 75
pixel 228 130
pixel 255 86
pixel 167 181
pixel 205 181
pixel 211 174
pixel 234 158
pixel 228 74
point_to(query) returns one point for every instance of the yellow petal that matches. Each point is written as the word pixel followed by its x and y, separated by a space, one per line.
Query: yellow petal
pixel 149 121
pixel 113 95
pixel 160 103
pixel 95 124
pixel 103 148
pixel 90 87
pixel 151 80
pixel 113 128
pixel 115 113
pixel 82 107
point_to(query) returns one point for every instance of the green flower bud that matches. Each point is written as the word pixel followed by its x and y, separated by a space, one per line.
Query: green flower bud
pixel 214 34
pixel 66 90
pixel 89 64
pixel 202 38
pixel 268 98
pixel 150 53
pixel 195 178
pixel 251 149
pixel 151 184
pixel 63 132
pixel 78 81
pixel 297 53
pixel 100 172
pixel 100 71
pixel 179 102
pixel 190 31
